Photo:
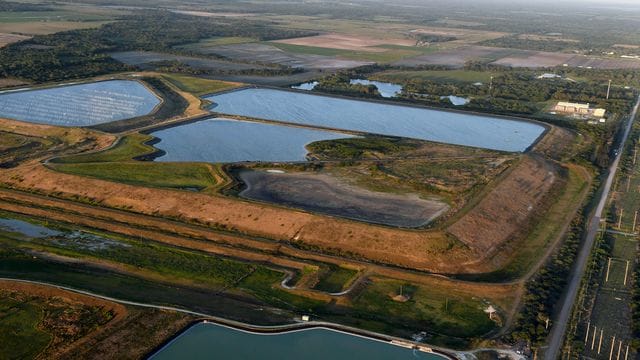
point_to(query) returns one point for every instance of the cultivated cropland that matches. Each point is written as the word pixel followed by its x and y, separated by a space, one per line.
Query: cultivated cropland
pixel 405 179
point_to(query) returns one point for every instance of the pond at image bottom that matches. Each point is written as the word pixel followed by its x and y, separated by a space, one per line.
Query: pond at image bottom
pixel 212 341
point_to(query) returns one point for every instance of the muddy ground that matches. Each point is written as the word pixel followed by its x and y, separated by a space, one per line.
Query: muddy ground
pixel 328 195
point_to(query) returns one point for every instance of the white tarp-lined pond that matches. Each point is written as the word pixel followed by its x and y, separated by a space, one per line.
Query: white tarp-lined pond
pixel 223 140
pixel 395 120
pixel 79 105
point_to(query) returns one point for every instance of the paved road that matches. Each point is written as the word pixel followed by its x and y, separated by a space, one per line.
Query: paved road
pixel 559 328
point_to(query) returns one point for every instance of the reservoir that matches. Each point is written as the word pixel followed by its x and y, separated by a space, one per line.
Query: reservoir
pixel 80 104
pixel 380 118
pixel 211 341
pixel 223 140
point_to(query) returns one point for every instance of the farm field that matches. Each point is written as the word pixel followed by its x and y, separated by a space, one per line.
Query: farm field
pixel 346 42
pixel 6 39
pixel 269 53
pixel 145 59
pixel 80 105
pixel 457 57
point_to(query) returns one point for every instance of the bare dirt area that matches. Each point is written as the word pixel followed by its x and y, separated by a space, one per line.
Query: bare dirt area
pixel 427 250
pixel 269 54
pixel 328 195
pixel 8 82
pixel 143 59
pixel 456 57
pixel 347 42
pixel 6 39
pixel 515 58
pixel 134 337
pixel 501 214
pixel 534 59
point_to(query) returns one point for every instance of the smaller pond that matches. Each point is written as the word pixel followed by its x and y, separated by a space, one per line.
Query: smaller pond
pixel 212 341
pixel 27 229
pixel 223 141
pixel 306 86
pixel 457 100
pixel 387 90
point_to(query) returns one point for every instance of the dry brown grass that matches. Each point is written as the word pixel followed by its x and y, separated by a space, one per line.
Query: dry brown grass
pixel 508 207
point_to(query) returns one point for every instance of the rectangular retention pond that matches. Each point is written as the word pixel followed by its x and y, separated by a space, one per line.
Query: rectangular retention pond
pixel 380 118
pixel 224 141
pixel 212 341
pixel 80 104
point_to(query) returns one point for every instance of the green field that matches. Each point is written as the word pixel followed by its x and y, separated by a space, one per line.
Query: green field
pixel 115 164
pixel 20 337
pixel 195 176
pixel 48 16
pixel 126 149
pixel 335 279
pixel 456 76
pixel 198 86
pixel 432 308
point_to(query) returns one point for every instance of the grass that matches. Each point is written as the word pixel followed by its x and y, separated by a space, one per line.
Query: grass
pixel 48 16
pixel 126 149
pixel 456 76
pixel 20 337
pixel 143 256
pixel 167 175
pixel 115 164
pixel 335 279
pixel 442 310
pixel 199 86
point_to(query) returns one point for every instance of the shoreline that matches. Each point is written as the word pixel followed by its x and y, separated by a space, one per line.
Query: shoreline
pixel 299 327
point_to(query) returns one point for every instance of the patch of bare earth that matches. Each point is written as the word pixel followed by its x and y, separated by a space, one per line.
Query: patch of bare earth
pixel 508 207
pixel 347 42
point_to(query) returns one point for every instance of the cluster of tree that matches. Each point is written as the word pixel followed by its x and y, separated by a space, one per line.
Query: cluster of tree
pixel 340 83
pixel 174 66
pixel 544 290
pixel 14 7
pixel 433 38
pixel 83 53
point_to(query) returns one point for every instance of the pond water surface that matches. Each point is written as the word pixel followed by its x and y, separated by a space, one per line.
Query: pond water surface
pixel 380 118
pixel 212 341
pixel 79 104
pixel 223 140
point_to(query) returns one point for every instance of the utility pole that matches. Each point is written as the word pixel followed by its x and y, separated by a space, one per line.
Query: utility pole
pixel 613 345
pixel 620 219
pixel 626 270
pixel 593 339
pixel 608 89
pixel 586 337
pixel 600 342
pixel 606 279
pixel 635 218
